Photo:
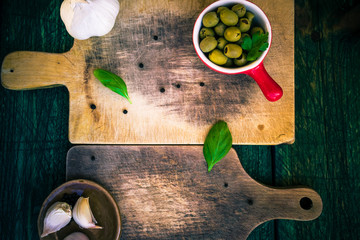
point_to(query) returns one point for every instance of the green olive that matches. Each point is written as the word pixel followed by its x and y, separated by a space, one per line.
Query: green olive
pixel 210 19
pixel 228 17
pixel 208 44
pixel 206 32
pixel 244 24
pixel 217 57
pixel 256 29
pixel 221 43
pixel 232 50
pixel 229 63
pixel 239 9
pixel 240 61
pixel 219 29
pixel 232 34
pixel 220 9
pixel 250 16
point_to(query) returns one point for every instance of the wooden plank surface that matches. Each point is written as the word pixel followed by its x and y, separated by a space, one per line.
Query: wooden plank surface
pixel 34 124
pixel 256 160
pixel 167 192
pixel 185 111
pixel 326 155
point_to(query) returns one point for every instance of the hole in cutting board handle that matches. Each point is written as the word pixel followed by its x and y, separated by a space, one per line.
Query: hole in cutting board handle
pixel 306 203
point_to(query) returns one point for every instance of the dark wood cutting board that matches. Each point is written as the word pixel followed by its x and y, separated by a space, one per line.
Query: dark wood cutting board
pixel 165 192
pixel 176 98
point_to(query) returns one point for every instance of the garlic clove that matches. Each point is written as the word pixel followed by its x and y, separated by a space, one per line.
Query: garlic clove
pixel 56 217
pixel 83 215
pixel 77 236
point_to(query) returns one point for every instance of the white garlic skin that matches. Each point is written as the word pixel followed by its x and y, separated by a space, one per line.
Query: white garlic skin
pixel 83 215
pixel 87 18
pixel 57 216
pixel 77 236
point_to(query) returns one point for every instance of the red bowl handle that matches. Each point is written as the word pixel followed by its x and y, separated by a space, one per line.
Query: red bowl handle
pixel 271 90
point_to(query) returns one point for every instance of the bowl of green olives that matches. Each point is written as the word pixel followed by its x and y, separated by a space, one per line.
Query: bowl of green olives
pixel 234 37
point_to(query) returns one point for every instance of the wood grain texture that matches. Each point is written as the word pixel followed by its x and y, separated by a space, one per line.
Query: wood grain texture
pixel 256 160
pixel 167 193
pixel 33 124
pixel 185 111
pixel 326 153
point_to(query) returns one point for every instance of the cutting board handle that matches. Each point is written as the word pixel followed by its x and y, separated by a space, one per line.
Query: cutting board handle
pixel 298 203
pixel 31 70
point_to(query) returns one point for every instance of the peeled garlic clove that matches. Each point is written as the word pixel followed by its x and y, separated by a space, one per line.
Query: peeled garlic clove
pixel 86 18
pixel 56 217
pixel 77 236
pixel 82 214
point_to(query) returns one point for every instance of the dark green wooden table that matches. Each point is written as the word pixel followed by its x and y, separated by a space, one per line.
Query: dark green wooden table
pixel 325 155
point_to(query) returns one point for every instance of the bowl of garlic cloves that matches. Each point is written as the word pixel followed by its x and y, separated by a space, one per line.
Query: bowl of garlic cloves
pixel 79 209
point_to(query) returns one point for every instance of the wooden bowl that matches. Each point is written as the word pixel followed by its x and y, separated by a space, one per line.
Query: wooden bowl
pixel 102 204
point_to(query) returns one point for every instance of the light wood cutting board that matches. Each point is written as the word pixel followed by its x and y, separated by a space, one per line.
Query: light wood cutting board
pixel 176 98
pixel 165 192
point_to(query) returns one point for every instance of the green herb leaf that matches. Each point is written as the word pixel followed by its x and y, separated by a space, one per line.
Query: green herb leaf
pixel 217 144
pixel 264 46
pixel 256 37
pixel 253 54
pixel 259 45
pixel 247 43
pixel 112 81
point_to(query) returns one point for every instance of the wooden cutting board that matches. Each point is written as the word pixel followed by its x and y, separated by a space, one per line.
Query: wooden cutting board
pixel 176 98
pixel 165 192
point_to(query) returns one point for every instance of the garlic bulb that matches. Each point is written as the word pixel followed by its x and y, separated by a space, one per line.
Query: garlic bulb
pixel 56 217
pixel 82 214
pixel 77 236
pixel 87 18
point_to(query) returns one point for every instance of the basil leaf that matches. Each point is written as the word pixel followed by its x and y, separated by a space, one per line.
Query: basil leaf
pixel 217 144
pixel 112 81
pixel 247 43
